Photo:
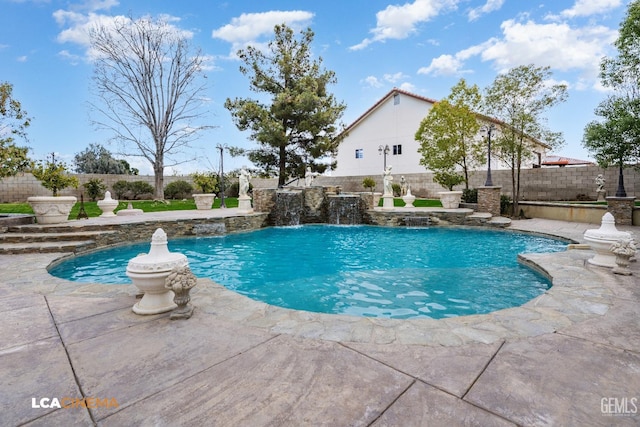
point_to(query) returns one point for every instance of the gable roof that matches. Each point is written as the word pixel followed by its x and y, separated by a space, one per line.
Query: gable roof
pixel 395 91
pixel 381 101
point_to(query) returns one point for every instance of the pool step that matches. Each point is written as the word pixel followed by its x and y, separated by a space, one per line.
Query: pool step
pixel 485 218
pixel 39 239
pixel 46 247
pixel 48 237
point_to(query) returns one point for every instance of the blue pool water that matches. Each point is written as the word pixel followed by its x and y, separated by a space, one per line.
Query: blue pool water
pixel 360 270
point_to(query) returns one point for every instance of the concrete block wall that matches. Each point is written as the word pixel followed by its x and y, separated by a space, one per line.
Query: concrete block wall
pixel 18 188
pixel 540 184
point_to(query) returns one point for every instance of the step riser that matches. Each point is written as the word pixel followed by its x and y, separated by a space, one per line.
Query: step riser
pixel 30 249
pixel 26 238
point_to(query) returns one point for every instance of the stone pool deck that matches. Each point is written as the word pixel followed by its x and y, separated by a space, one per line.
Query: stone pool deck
pixel 569 357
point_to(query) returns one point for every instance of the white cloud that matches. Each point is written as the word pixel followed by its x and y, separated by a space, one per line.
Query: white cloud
pixel 22 58
pixel 393 78
pixel 590 7
pixel 408 87
pixel 399 22
pixel 556 44
pixel 444 65
pixel 372 81
pixel 375 82
pixel 249 28
pixel 488 7
pixel 79 26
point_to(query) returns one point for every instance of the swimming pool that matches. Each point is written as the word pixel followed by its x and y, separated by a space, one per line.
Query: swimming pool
pixel 355 270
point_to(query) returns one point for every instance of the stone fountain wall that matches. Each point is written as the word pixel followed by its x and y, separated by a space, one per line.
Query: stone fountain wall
pixel 309 205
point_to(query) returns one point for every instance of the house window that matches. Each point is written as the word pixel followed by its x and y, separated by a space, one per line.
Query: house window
pixel 396 99
pixel 397 149
pixel 359 153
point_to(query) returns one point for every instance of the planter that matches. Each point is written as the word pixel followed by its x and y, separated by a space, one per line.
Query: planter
pixel 450 199
pixel 107 205
pixel 51 210
pixel 204 201
pixel 408 199
pixel 148 272
pixel 601 241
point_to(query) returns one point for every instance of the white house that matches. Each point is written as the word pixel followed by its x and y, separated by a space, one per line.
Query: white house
pixel 392 122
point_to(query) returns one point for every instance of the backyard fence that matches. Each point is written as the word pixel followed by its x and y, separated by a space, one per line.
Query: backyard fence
pixel 539 184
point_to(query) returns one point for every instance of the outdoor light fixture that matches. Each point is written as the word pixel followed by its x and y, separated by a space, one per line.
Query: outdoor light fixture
pixel 221 147
pixel 489 129
pixel 384 150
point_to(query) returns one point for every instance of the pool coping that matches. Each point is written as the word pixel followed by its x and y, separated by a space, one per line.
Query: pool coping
pixel 578 293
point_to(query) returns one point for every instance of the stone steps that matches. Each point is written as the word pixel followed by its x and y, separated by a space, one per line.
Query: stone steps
pixel 485 218
pixel 45 247
pixel 35 237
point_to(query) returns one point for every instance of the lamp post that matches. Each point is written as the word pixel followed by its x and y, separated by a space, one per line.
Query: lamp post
pixel 489 129
pixel 620 191
pixel 384 150
pixel 221 147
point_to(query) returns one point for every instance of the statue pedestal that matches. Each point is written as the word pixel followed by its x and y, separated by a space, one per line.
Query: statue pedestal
pixel 387 202
pixel 244 204
pixel 602 195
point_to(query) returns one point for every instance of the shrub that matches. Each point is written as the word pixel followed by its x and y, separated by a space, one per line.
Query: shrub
pixel 121 188
pixel 369 183
pixel 205 182
pixel 396 189
pixel 505 204
pixel 448 179
pixel 178 190
pixel 140 188
pixel 53 176
pixel 470 195
pixel 131 190
pixel 233 190
pixel 95 188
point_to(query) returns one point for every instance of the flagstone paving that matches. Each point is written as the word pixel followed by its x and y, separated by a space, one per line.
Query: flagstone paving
pixel 568 357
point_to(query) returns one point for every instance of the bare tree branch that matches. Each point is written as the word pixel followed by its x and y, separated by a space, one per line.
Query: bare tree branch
pixel 149 85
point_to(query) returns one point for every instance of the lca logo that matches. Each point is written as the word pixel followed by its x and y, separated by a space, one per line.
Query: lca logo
pixel 73 402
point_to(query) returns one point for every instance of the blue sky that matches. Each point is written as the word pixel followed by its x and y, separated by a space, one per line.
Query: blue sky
pixel 422 46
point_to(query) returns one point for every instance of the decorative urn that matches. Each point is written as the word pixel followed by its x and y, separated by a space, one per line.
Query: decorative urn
pixel 408 199
pixel 107 205
pixel 149 271
pixel 601 239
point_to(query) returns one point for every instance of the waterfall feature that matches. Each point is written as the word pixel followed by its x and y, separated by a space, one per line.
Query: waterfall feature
pixel 344 209
pixel 417 221
pixel 288 207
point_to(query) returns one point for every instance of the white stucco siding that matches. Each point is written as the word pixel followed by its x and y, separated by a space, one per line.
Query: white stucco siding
pixel 388 124
pixel 391 123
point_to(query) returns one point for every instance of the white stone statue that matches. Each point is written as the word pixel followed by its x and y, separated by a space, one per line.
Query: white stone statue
pixel 308 177
pixel 387 179
pixel 600 182
pixel 403 186
pixel 243 179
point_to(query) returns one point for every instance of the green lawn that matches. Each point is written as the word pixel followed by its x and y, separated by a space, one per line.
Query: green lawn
pixel 92 210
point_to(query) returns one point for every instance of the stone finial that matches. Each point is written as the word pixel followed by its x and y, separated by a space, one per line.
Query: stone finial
pixel 180 281
pixel 624 250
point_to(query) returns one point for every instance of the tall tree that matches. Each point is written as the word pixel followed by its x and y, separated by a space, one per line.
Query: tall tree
pixel 97 159
pixel 615 139
pixel 520 98
pixel 148 77
pixel 622 72
pixel 447 135
pixel 297 127
pixel 14 122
